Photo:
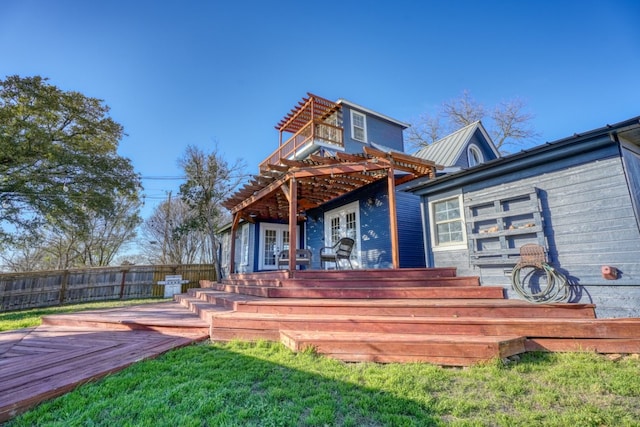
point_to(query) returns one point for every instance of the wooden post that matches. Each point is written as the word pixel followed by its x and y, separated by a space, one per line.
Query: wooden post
pixel 393 218
pixel 63 286
pixel 124 275
pixel 293 219
pixel 232 244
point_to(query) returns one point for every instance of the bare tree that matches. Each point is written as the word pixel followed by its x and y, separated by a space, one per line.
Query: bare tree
pixel 162 241
pixel 463 111
pixel 508 123
pixel 210 180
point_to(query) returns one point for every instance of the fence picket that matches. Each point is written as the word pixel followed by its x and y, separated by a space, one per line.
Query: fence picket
pixel 54 287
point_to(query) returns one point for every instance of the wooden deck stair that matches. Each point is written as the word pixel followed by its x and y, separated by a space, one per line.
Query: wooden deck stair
pixel 402 315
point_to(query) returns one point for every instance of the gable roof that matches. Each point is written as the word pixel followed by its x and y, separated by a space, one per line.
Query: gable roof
pixel 628 131
pixel 447 151
pixel 369 111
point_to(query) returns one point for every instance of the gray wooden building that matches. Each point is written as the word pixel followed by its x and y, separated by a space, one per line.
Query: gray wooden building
pixel 578 197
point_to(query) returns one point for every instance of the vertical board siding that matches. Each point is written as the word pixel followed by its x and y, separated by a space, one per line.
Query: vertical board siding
pixel 631 159
pixel 411 241
pixel 49 288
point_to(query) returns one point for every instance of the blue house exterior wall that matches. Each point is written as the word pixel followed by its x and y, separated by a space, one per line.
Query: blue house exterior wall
pixel 589 218
pixel 631 159
pixel 379 131
pixel 375 237
pixel 482 145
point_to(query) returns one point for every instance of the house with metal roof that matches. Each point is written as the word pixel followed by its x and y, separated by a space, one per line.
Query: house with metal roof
pixel 577 199
pixel 462 149
pixel 333 175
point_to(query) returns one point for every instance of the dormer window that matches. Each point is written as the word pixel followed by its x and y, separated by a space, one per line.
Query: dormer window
pixel 358 126
pixel 474 156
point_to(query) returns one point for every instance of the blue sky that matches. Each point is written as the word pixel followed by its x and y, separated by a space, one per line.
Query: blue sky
pixel 210 72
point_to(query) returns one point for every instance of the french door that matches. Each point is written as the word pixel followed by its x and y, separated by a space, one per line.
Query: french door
pixel 273 239
pixel 344 222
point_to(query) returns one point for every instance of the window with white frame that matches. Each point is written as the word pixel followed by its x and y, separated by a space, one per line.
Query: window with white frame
pixel 344 222
pixel 474 155
pixel 244 244
pixel 447 223
pixel 358 126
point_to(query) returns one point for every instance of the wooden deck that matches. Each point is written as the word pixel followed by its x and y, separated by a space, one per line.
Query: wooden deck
pixel 403 315
pixel 412 315
pixel 67 350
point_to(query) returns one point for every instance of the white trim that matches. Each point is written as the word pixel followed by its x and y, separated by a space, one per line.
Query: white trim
pixel 435 246
pixel 471 149
pixel 364 126
pixel 371 112
pixel 280 229
pixel 341 212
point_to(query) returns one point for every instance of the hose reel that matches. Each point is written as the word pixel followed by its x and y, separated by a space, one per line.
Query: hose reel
pixel 535 280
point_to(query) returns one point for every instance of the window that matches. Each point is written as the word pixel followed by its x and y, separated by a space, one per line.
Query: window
pixel 358 126
pixel 474 155
pixel 273 239
pixel 244 244
pixel 344 222
pixel 447 224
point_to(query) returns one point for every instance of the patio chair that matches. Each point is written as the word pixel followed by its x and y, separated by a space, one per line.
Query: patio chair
pixel 338 252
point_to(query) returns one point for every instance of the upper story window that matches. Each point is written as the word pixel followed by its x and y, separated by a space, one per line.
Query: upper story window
pixel 447 224
pixel 474 155
pixel 358 126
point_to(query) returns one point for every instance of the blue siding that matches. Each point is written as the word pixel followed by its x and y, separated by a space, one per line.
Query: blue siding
pixel 375 238
pixel 482 145
pixel 379 131
pixel 589 221
pixel 632 169
pixel 411 242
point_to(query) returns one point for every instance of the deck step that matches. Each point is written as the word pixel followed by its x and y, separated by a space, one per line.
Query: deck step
pixel 145 319
pixel 450 350
pixel 267 326
pixel 392 307
pixel 366 293
pixel 346 274
pixel 597 345
pixel 380 282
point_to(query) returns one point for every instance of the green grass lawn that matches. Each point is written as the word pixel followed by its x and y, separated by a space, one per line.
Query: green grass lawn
pixel 11 320
pixel 265 384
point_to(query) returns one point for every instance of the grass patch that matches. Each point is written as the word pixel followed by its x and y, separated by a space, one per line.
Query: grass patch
pixel 264 384
pixel 11 320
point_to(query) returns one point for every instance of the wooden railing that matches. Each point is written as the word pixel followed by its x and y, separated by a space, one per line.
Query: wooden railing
pixel 310 133
pixel 55 287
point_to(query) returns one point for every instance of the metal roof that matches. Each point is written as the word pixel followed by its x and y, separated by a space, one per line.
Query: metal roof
pixel 447 150
pixel 628 130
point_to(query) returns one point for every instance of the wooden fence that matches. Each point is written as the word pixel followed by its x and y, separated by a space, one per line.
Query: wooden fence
pixel 48 288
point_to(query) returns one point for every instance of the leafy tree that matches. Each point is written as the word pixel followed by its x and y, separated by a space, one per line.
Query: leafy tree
pixel 508 123
pixel 210 179
pixel 63 243
pixel 58 156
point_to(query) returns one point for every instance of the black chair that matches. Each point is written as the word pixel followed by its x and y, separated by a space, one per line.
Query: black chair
pixel 338 252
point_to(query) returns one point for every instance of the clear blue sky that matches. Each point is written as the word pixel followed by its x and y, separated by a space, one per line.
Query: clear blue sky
pixel 199 72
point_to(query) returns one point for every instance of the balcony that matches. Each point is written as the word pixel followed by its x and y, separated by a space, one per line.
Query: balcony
pixel 308 139
pixel 313 123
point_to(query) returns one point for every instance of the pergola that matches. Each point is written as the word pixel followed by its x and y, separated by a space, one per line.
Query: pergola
pixel 284 191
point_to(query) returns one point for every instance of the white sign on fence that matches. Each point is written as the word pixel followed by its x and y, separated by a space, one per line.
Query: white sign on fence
pixel 172 285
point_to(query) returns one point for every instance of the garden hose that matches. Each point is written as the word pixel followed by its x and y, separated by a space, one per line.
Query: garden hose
pixel 556 289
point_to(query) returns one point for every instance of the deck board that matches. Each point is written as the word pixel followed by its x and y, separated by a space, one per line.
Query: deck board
pixel 40 363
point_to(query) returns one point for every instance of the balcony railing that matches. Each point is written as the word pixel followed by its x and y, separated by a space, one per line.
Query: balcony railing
pixel 312 133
